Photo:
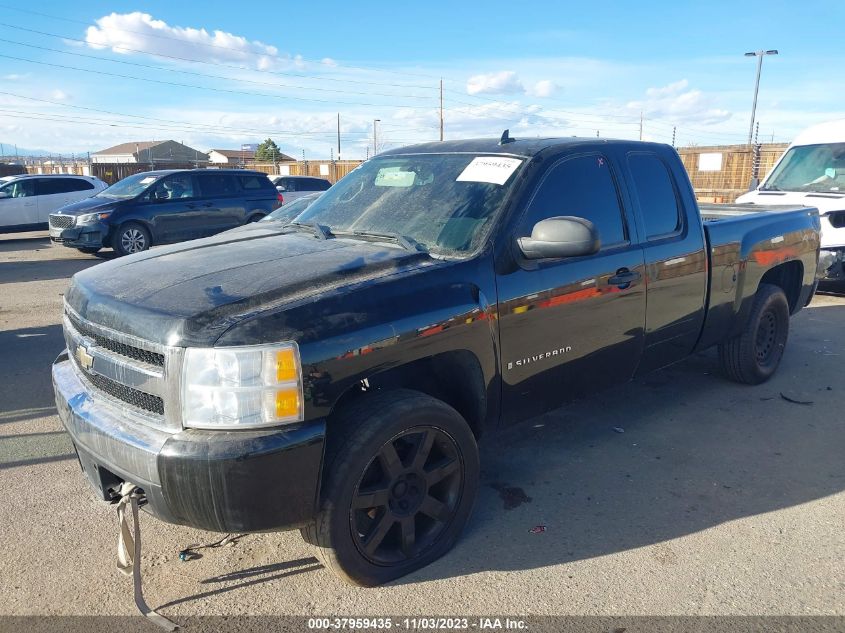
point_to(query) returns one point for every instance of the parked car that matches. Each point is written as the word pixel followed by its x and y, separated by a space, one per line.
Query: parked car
pixel 161 207
pixel 290 210
pixel 293 187
pixel 335 374
pixel 812 172
pixel 26 201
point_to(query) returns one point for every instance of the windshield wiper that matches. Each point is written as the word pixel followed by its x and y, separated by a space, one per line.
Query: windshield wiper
pixel 406 242
pixel 769 188
pixel 323 232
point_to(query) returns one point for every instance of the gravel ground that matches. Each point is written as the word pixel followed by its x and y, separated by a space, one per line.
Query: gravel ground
pixel 718 499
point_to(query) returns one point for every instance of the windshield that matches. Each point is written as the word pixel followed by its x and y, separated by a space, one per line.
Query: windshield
pixel 810 168
pixel 129 187
pixel 443 202
pixel 289 211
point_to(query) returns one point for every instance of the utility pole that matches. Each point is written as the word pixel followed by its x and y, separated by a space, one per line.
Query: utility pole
pixel 674 129
pixel 641 125
pixel 375 137
pixel 441 108
pixel 759 55
pixel 338 135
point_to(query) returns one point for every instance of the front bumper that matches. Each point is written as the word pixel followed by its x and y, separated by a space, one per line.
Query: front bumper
pixel 832 264
pixel 226 481
pixel 82 236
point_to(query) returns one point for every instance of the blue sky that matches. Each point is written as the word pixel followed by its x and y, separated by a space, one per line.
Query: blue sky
pixel 81 77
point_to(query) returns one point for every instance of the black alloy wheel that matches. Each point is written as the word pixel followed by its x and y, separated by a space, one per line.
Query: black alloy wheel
pixel 407 495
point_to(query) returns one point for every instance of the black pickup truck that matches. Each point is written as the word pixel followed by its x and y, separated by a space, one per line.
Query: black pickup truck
pixel 335 373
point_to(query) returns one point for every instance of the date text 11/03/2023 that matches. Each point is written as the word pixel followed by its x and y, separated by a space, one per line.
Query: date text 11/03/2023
pixel 417 623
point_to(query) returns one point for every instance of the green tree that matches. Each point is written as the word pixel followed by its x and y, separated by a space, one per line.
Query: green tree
pixel 268 150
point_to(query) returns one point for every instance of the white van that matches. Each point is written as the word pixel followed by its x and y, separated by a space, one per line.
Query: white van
pixel 812 172
pixel 27 201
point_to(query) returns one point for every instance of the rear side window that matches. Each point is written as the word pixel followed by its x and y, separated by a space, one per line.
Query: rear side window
pixel 289 184
pixel 656 195
pixel 78 184
pixel 217 184
pixel 254 182
pixel 50 186
pixel 318 184
pixel 583 187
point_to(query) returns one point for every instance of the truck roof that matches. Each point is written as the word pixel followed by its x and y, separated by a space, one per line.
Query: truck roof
pixel 822 133
pixel 516 146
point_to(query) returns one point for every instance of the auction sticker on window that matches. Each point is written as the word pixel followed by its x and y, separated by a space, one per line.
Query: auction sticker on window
pixel 493 169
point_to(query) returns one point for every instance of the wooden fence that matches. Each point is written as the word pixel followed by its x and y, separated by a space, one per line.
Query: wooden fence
pixel 112 172
pixel 720 173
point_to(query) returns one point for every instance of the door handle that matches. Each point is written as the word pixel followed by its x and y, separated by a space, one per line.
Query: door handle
pixel 623 278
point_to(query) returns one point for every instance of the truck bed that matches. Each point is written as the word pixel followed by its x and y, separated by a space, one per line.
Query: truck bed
pixel 744 242
pixel 718 212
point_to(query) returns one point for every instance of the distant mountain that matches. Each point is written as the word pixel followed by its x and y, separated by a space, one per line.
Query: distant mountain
pixel 9 151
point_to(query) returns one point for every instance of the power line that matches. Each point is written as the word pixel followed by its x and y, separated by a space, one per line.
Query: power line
pixel 206 44
pixel 194 86
pixel 216 64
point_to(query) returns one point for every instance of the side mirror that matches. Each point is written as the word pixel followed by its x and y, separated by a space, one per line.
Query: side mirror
pixel 562 236
pixel 3 194
pixel 280 189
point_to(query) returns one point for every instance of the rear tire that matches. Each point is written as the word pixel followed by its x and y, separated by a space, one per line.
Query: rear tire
pixel 753 356
pixel 400 479
pixel 131 238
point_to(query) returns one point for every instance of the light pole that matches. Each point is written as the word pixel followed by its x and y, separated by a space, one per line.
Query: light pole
pixel 759 55
pixel 375 137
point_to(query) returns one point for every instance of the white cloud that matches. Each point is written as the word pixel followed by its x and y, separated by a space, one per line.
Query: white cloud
pixel 141 32
pixel 59 95
pixel 328 61
pixel 544 88
pixel 15 77
pixel 503 82
pixel 678 104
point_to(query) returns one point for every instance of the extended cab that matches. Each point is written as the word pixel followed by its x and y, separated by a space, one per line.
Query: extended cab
pixel 334 374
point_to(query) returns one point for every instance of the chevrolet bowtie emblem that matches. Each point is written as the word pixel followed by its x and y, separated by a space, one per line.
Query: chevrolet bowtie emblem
pixel 85 359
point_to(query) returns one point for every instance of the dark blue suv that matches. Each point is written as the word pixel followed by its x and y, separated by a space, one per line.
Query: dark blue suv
pixel 161 207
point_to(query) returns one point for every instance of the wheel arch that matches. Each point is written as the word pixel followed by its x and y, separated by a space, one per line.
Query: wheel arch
pixel 789 278
pixel 454 377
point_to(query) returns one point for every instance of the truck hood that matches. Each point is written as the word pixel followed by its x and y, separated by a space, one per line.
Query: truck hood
pixel 824 202
pixel 190 293
pixel 88 205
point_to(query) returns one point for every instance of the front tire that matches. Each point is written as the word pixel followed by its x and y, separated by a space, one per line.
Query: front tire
pixel 131 238
pixel 753 356
pixel 400 480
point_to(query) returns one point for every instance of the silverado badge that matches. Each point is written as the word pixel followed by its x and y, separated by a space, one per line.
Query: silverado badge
pixel 86 361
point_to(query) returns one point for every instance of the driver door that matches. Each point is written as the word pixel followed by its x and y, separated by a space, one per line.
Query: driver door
pixel 19 207
pixel 574 325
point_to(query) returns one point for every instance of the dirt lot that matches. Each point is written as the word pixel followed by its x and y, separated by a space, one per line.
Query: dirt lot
pixel 717 499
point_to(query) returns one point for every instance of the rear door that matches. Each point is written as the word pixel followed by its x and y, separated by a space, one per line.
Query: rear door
pixel 19 207
pixel 52 193
pixel 222 205
pixel 675 257
pixel 571 326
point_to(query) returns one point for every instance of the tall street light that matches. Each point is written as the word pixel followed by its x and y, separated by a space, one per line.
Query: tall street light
pixel 759 55
pixel 375 137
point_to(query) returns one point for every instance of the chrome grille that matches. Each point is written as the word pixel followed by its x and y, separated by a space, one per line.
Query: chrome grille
pixel 62 221
pixel 132 397
pixel 135 353
pixel 136 376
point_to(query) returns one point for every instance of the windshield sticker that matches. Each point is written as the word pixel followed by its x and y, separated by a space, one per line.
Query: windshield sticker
pixel 393 177
pixel 148 180
pixel 493 169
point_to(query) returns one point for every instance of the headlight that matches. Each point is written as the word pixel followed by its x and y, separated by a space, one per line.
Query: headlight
pixel 241 387
pixel 90 218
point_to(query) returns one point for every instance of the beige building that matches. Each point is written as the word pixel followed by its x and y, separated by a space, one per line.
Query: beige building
pixel 150 152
